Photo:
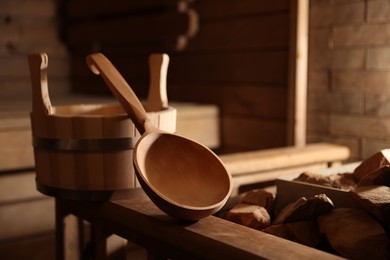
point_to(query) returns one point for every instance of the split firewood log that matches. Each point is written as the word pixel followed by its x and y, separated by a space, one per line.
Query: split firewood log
pixel 249 215
pixel 354 234
pixel 303 232
pixel 260 198
pixel 372 163
pixel 344 181
pixel 375 200
pixel 304 209
pixel 380 176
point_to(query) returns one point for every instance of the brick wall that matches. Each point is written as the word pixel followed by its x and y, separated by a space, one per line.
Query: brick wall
pixel 349 74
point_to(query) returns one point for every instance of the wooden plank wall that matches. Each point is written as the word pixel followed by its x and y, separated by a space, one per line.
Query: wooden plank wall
pixel 227 52
pixel 27 27
pixel 26 216
pixel 26 219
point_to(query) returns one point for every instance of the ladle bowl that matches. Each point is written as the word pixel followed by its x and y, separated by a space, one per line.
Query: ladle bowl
pixel 184 178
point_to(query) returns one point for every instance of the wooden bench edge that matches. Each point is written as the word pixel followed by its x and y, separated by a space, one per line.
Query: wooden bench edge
pixel 284 157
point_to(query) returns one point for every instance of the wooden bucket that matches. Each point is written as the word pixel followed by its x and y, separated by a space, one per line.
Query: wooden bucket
pixel 83 152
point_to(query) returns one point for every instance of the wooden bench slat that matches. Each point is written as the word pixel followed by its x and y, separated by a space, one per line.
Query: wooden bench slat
pixel 15 187
pixel 26 218
pixel 16 151
pixel 284 157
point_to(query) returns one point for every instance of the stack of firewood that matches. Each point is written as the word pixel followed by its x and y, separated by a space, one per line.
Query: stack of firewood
pixel 361 231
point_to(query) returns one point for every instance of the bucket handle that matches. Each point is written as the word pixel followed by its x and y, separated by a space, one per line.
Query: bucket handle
pixel 157 96
pixel 38 63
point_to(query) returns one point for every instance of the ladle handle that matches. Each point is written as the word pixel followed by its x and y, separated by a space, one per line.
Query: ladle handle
pixel 99 64
pixel 157 97
pixel 38 63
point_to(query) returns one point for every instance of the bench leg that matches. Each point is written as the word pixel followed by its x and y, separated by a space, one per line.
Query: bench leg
pixel 98 243
pixel 69 233
pixel 60 226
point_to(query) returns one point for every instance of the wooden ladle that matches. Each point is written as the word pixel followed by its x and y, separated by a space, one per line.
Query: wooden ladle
pixel 185 179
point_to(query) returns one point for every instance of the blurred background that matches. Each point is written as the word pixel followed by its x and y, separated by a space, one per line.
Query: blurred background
pixel 242 57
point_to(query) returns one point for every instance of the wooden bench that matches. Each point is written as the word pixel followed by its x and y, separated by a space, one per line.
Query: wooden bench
pixel 267 165
pixel 138 220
